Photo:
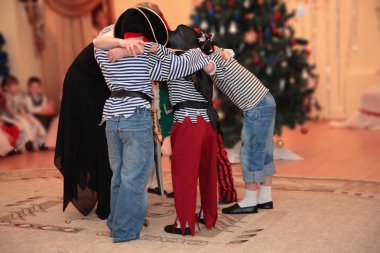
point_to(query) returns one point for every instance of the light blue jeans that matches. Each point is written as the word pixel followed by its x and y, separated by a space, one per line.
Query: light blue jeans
pixel 256 153
pixel 130 149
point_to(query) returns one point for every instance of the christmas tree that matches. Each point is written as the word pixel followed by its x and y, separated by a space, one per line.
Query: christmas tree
pixel 4 69
pixel 264 42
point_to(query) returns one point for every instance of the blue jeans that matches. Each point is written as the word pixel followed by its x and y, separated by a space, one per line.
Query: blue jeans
pixel 130 149
pixel 256 153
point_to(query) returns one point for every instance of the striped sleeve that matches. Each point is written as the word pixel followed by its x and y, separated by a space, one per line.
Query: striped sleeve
pixel 220 66
pixel 172 67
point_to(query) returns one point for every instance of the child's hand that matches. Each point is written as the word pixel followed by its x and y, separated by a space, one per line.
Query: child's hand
pixel 133 46
pixel 116 54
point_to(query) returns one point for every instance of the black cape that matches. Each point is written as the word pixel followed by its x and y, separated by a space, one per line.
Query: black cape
pixel 81 152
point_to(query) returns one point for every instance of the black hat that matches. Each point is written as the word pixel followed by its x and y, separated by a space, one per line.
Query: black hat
pixel 142 20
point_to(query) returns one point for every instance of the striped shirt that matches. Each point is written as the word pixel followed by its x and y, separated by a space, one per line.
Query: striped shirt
pixel 138 73
pixel 181 90
pixel 241 86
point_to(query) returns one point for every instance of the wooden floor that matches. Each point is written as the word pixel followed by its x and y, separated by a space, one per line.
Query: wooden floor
pixel 328 153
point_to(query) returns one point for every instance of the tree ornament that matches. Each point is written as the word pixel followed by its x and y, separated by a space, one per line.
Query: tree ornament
pixel 260 2
pixel 292 80
pixel 284 64
pixel 288 52
pixel 250 37
pixel 277 16
pixel 247 4
pixel 196 19
pixel 216 103
pixel 256 60
pixel 222 30
pixel 230 3
pixel 249 16
pixel 203 25
pixel 221 115
pixel 300 11
pixel 211 13
pixel 282 85
pixel 280 143
pixel 304 130
pixel 306 52
pixel 269 70
pixel 233 28
pixel 268 33
pixel 293 42
pixel 305 75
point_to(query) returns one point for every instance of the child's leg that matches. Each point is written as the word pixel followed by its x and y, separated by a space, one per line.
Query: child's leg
pixel 265 195
pixel 208 175
pixel 186 141
pixel 137 161
pixel 257 129
pixel 115 150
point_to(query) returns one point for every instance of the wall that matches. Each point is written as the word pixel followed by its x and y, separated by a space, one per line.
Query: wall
pixel 347 61
pixel 344 39
pixel 23 60
pixel 344 73
pixel 175 12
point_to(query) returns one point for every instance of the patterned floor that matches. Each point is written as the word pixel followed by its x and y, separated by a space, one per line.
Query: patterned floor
pixel 310 215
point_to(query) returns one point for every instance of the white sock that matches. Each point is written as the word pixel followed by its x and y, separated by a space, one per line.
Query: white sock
pixel 153 182
pixel 179 224
pixel 249 199
pixel 265 194
pixel 201 216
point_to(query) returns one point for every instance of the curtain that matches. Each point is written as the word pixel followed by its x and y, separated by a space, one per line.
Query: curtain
pixel 72 8
pixel 67 30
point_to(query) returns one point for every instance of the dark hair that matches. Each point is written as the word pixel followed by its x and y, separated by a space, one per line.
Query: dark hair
pixel 8 80
pixel 34 79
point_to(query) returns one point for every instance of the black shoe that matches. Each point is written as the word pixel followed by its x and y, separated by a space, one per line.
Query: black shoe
pixel 170 195
pixel 43 147
pixel 29 146
pixel 171 230
pixel 236 209
pixel 225 201
pixel 155 191
pixel 200 220
pixel 14 152
pixel 267 205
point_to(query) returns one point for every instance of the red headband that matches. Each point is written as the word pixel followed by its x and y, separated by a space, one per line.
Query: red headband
pixel 128 35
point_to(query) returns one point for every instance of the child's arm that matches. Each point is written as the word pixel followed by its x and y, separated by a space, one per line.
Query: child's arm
pixel 132 47
pixel 170 66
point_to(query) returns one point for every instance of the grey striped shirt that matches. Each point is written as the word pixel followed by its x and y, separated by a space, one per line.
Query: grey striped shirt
pixel 241 86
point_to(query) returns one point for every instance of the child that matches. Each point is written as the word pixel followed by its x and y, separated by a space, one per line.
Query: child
pixel 37 103
pixel 15 113
pixel 247 92
pixel 127 112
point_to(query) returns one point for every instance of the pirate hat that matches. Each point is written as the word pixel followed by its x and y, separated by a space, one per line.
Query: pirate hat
pixel 142 20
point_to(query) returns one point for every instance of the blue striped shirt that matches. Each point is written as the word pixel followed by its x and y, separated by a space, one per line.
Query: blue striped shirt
pixel 138 74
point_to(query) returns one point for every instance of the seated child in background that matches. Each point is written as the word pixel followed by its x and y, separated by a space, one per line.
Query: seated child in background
pixel 37 103
pixel 5 145
pixel 15 113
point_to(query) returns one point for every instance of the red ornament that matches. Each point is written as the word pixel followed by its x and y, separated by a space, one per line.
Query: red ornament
pixel 275 31
pixel 293 42
pixel 231 3
pixel 277 16
pixel 306 52
pixel 260 36
pixel 304 130
pixel 216 103
pixel 256 60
